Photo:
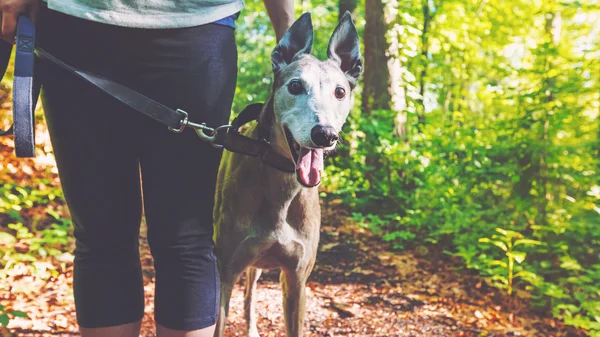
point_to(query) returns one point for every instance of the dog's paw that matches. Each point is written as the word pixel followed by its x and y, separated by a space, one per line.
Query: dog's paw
pixel 253 332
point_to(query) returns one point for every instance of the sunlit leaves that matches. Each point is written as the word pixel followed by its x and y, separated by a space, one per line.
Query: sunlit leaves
pixel 513 117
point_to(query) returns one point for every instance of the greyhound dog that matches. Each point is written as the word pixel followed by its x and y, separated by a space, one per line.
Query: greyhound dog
pixel 266 218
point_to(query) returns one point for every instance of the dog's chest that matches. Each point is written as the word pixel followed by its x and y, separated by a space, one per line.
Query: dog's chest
pixel 286 249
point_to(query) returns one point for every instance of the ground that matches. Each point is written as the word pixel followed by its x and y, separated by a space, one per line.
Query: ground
pixel 360 285
pixel 358 288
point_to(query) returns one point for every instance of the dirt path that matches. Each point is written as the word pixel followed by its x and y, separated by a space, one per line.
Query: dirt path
pixel 358 288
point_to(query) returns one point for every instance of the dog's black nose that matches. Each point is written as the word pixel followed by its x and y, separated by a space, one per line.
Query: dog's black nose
pixel 324 135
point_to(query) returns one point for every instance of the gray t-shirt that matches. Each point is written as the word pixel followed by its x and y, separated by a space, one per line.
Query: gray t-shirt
pixel 149 13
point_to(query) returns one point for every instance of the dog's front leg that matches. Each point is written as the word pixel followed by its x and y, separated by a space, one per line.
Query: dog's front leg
pixel 293 285
pixel 231 266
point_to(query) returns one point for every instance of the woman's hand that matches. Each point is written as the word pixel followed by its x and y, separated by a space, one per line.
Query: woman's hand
pixel 11 9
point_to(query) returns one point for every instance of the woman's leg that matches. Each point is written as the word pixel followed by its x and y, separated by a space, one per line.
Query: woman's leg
pixel 97 157
pixel 195 70
pixel 100 180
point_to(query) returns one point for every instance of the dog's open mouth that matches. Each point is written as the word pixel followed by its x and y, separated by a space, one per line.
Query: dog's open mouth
pixel 309 161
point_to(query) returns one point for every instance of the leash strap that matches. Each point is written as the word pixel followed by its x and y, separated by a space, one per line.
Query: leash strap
pixel 25 89
pixel 238 143
pixel 133 99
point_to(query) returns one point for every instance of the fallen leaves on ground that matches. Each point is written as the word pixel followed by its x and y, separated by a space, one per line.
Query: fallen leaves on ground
pixel 358 288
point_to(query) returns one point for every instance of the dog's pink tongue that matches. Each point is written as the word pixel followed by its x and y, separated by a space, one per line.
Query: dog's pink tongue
pixel 309 166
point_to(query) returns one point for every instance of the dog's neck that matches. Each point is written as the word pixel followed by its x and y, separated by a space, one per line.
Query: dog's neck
pixel 266 119
pixel 281 187
pixel 269 129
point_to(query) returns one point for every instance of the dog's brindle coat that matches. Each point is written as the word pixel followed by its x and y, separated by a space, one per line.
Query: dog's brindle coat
pixel 266 218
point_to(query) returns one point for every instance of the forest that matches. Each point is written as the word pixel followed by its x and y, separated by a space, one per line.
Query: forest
pixel 473 147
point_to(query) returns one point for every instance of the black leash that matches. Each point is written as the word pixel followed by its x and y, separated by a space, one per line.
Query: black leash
pixel 157 111
pixel 26 91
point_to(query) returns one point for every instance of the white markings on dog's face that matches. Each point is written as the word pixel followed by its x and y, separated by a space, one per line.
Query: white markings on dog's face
pixel 312 98
pixel 313 93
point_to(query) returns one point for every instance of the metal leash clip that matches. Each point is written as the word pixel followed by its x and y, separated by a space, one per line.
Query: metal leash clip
pixel 212 138
pixel 205 133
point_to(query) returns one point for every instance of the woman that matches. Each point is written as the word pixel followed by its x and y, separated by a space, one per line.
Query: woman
pixel 181 53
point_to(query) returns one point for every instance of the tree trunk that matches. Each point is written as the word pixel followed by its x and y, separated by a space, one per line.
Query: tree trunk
pixel 424 55
pixel 397 87
pixel 553 30
pixel 376 78
pixel 598 134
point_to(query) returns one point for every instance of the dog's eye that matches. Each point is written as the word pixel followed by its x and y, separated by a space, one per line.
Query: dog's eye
pixel 340 93
pixel 295 87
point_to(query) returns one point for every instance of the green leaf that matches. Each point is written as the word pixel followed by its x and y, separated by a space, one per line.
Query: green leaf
pixel 518 256
pixel 53 214
pixel 526 275
pixel 498 263
pixel 497 243
pixel 502 231
pixel 4 319
pixel 509 233
pixel 569 263
pixel 500 244
pixel 15 215
pixel 526 242
pixel 19 314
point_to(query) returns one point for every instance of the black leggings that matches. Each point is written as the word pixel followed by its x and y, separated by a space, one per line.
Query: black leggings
pixel 102 147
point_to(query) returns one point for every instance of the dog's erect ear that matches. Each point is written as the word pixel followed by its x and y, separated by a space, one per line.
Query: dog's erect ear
pixel 344 48
pixel 296 41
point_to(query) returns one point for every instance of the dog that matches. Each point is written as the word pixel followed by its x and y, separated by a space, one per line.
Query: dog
pixel 266 218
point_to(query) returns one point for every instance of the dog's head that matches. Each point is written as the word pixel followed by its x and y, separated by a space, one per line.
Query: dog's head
pixel 312 98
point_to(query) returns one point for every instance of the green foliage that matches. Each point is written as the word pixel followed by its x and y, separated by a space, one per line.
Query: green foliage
pixel 509 139
pixel 6 315
pixel 29 239
pixel 43 236
pixel 507 241
pixel 14 198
